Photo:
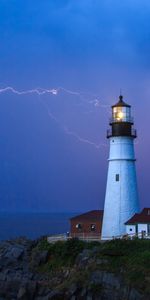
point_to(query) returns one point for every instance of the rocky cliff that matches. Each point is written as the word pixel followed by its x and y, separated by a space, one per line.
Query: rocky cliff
pixel 117 270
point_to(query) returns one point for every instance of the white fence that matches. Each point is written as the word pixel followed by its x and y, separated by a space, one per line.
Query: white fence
pixel 65 237
pixel 90 238
pixel 131 236
pixel 86 236
pixel 56 238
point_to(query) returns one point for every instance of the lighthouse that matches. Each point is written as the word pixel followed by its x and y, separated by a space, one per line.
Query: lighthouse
pixel 121 199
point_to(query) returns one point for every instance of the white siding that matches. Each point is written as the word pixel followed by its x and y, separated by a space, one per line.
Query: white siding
pixel 131 229
pixel 142 227
pixel 121 200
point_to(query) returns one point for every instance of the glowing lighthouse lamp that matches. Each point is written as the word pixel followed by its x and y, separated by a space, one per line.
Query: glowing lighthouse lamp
pixel 121 200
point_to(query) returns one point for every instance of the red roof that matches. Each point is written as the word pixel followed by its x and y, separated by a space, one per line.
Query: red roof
pixel 93 215
pixel 143 217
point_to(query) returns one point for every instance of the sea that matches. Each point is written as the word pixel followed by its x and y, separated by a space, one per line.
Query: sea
pixel 33 225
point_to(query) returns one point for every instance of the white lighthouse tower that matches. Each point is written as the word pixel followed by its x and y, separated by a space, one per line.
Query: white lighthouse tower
pixel 121 200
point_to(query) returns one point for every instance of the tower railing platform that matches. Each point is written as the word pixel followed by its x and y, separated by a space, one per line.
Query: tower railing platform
pixel 111 134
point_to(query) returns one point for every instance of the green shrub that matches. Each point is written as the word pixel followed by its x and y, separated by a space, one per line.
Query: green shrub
pixel 61 253
pixel 131 258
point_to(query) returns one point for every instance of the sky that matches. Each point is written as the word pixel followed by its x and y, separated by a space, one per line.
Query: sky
pixel 71 57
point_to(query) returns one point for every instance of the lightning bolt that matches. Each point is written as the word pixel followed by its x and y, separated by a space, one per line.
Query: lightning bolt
pixel 54 91
pixel 70 132
pixel 83 140
pixel 38 91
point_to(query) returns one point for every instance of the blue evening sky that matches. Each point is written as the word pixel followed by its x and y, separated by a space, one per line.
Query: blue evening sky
pixel 49 159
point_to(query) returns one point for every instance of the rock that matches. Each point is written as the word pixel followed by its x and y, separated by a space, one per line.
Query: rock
pixel 96 250
pixel 9 288
pixel 109 279
pixel 28 276
pixel 96 277
pixel 43 291
pixel 39 257
pixel 73 298
pixel 21 293
pixel 134 295
pixel 72 289
pixel 105 278
pixel 55 295
pixel 44 256
pixel 101 261
pixel 89 297
pixel 66 274
pixel 7 262
pixel 83 258
pixel 19 281
pixel 83 292
pixel 14 252
pixel 111 294
pixel 17 276
pixel 41 298
pixel 3 276
pixel 86 253
pixel 31 289
pixel 17 252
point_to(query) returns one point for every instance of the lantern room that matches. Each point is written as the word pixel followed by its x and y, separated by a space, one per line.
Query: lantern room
pixel 121 121
pixel 121 112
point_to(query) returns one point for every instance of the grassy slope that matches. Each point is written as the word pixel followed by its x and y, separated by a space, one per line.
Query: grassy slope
pixel 129 258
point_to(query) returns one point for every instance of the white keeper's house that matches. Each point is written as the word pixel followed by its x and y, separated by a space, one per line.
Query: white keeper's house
pixel 139 224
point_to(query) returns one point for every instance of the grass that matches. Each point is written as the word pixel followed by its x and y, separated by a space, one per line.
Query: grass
pixel 61 254
pixel 129 258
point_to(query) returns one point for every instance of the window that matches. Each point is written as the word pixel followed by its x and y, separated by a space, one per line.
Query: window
pixel 149 212
pixel 93 227
pixel 130 229
pixel 121 114
pixel 79 226
pixel 136 228
pixel 117 177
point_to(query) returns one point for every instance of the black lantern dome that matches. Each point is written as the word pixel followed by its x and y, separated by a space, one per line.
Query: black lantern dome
pixel 121 121
pixel 121 103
